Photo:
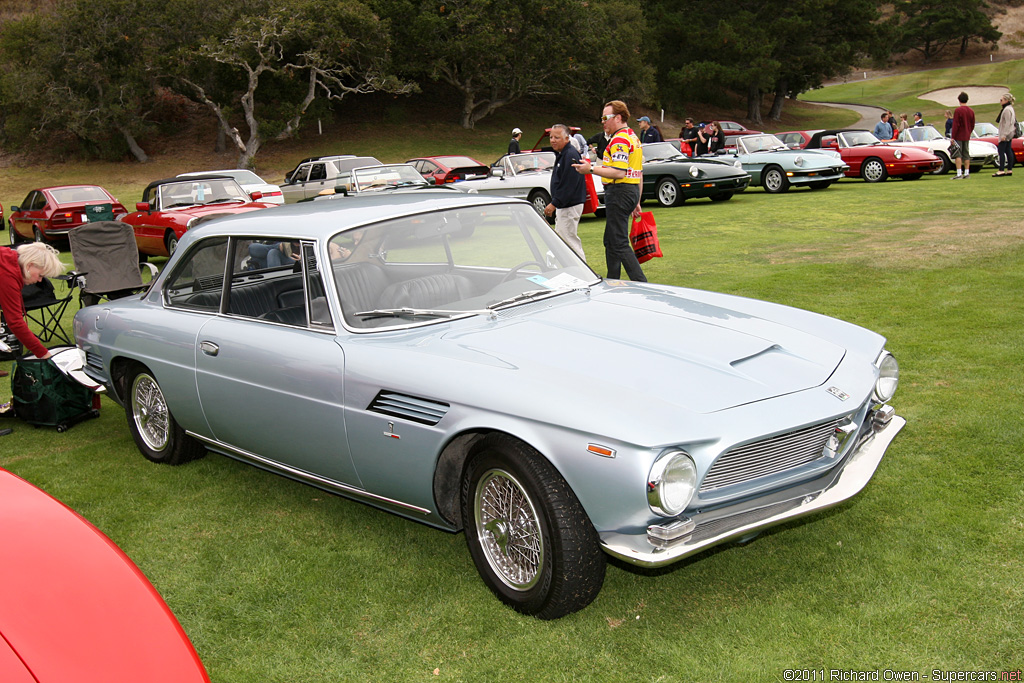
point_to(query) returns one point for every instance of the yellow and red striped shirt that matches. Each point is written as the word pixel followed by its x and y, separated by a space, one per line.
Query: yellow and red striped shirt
pixel 624 151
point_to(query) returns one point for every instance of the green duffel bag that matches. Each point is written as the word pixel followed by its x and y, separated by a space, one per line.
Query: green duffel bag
pixel 46 397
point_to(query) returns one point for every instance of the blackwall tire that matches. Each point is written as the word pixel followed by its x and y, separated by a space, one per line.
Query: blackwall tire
pixel 527 533
pixel 157 435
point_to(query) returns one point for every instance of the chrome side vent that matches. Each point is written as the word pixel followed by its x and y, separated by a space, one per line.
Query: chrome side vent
pixel 94 361
pixel 413 408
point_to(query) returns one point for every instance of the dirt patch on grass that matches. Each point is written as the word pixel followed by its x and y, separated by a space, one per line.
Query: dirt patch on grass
pixel 915 245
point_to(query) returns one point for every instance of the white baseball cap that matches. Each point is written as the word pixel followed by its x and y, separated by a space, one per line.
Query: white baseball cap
pixel 516 131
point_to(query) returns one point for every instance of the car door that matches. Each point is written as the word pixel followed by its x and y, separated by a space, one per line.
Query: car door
pixel 269 371
pixel 321 177
pixel 31 214
pixel 293 191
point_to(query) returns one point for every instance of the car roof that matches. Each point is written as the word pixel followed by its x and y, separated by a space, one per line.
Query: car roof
pixel 67 187
pixel 319 220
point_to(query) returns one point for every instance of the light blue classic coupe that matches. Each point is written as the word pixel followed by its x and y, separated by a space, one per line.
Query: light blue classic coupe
pixel 448 358
pixel 776 167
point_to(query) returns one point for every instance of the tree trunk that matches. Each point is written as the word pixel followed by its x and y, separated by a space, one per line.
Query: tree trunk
pixel 754 105
pixel 221 143
pixel 963 45
pixel 137 151
pixel 775 114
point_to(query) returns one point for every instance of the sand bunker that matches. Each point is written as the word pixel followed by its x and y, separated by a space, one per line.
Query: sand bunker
pixel 986 94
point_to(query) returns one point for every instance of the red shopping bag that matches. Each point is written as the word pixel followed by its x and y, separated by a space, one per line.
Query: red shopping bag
pixel 590 206
pixel 686 149
pixel 644 237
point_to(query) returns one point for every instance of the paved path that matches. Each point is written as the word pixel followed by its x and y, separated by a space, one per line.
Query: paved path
pixel 869 116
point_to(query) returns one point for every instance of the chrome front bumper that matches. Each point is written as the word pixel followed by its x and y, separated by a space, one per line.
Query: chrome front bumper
pixel 638 549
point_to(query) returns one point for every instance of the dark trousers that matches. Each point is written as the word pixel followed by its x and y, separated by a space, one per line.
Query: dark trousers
pixel 619 201
pixel 1005 155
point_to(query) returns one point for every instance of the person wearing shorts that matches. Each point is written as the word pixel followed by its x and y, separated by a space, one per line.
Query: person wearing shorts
pixel 963 126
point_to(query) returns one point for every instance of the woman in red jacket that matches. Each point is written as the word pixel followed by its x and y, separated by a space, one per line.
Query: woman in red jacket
pixel 26 265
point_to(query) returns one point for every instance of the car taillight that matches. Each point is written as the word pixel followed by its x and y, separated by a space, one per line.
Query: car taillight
pixel 272 194
pixel 65 217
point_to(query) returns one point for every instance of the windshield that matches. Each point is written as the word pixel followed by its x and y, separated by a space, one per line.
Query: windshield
pixel 921 134
pixel 200 192
pixel 981 129
pixel 245 177
pixel 533 162
pixel 660 151
pixel 447 264
pixel 857 138
pixel 385 177
pixel 70 195
pixel 749 144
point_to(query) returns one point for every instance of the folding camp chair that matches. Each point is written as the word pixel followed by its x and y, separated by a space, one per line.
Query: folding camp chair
pixel 106 261
pixel 45 307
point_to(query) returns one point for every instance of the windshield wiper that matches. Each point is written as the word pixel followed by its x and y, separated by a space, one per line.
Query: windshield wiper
pixel 414 313
pixel 529 294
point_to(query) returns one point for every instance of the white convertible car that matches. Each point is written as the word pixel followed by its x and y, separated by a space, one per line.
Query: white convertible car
pixel 930 140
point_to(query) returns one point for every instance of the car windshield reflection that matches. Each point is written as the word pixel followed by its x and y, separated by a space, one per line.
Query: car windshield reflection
pixel 449 264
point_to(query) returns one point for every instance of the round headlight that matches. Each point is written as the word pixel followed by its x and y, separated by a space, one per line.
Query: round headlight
pixel 799 161
pixel 737 164
pixel 694 171
pixel 898 154
pixel 671 484
pixel 888 377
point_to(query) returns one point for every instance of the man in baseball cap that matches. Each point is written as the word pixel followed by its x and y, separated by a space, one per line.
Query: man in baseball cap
pixel 918 121
pixel 648 133
pixel 513 146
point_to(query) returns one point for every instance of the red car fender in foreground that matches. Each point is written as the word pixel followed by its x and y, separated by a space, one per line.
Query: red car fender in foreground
pixel 74 607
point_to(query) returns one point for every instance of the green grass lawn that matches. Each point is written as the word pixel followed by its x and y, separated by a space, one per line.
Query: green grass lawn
pixel 276 581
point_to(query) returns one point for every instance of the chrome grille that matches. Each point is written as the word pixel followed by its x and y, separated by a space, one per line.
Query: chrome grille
pixel 421 410
pixel 769 456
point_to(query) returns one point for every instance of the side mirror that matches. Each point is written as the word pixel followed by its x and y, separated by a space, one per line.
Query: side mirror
pixel 142 206
pixel 15 208
pixel 497 172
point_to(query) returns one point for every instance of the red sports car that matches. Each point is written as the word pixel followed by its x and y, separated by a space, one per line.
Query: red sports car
pixel 74 606
pixel 733 128
pixel 866 155
pixel 171 206
pixel 449 169
pixel 50 213
pixel 990 133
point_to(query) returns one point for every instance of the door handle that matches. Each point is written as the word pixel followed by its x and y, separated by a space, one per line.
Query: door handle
pixel 209 348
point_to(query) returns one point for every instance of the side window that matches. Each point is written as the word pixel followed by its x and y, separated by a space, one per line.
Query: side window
pixel 319 311
pixel 198 281
pixel 318 172
pixel 277 280
pixel 300 175
pixel 38 201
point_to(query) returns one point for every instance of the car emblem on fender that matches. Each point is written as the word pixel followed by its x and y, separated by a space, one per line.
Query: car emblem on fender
pixel 838 393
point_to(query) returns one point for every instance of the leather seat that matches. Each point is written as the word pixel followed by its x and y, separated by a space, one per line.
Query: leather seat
pixel 430 291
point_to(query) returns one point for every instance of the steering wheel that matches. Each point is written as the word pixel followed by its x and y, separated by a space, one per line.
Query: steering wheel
pixel 515 269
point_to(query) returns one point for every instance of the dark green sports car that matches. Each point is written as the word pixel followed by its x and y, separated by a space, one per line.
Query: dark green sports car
pixel 672 178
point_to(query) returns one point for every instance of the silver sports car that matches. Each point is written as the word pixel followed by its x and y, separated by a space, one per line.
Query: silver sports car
pixel 447 357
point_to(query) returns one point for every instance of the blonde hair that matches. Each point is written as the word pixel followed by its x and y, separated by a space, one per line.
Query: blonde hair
pixel 42 256
pixel 1009 98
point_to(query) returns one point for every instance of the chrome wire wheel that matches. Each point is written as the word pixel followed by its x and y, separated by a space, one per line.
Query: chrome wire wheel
pixel 149 412
pixel 508 530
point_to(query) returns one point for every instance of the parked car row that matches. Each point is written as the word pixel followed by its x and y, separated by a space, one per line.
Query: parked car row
pixel 810 158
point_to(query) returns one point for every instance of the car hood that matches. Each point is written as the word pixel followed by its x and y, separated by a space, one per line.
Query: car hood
pixel 656 344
